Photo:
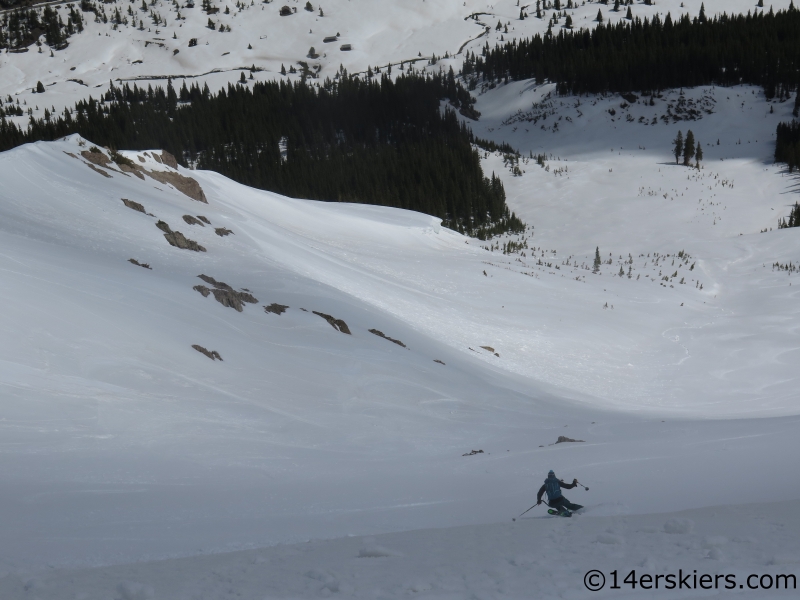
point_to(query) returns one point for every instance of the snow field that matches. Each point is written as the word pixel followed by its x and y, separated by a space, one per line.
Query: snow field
pixel 539 557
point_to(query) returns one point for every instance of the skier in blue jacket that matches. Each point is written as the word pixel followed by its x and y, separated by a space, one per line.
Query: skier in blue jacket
pixel 554 497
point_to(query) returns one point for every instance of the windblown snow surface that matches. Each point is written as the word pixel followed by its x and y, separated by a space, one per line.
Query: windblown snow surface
pixel 309 462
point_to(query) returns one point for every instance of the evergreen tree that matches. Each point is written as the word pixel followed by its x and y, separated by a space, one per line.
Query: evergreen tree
pixel 599 18
pixel 688 148
pixel 698 153
pixel 597 260
pixel 677 148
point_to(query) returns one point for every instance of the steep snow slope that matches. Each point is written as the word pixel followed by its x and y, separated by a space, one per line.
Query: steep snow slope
pixel 379 33
pixel 122 443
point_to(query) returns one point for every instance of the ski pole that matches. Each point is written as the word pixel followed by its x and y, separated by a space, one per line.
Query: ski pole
pixel 531 508
pixel 583 486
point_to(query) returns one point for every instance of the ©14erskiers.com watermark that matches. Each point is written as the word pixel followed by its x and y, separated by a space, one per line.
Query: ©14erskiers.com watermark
pixel 595 580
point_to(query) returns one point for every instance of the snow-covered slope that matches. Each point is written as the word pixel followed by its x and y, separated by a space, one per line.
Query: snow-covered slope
pixel 123 443
pixel 120 442
pixel 379 32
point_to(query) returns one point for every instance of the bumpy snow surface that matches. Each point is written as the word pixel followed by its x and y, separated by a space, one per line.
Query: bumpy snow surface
pixel 308 462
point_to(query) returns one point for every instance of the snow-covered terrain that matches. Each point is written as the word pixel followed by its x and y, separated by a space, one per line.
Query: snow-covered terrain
pixel 122 443
pixel 259 475
pixel 380 32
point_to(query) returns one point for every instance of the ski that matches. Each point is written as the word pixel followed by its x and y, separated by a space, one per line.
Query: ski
pixel 564 513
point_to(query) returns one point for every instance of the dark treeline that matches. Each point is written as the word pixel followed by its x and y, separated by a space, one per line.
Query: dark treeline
pixel 647 56
pixel 384 142
pixel 22 27
pixel 787 144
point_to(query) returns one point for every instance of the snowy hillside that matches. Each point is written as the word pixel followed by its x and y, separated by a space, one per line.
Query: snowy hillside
pixel 154 44
pixel 212 391
pixel 124 443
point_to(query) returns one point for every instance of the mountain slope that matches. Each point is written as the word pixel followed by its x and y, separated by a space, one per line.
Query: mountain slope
pixel 123 443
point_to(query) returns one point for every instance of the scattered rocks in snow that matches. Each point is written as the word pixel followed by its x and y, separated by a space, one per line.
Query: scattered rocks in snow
pixel 133 205
pixel 473 453
pixel 222 231
pixel 225 294
pixel 177 239
pixel 192 220
pixel 386 337
pixel 563 439
pixel 436 360
pixel 204 220
pixel 337 324
pixel 678 525
pixel 489 348
pixel 138 264
pixel 212 354
pixel 277 309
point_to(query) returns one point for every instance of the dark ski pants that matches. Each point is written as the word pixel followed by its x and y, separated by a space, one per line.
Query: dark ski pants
pixel 562 503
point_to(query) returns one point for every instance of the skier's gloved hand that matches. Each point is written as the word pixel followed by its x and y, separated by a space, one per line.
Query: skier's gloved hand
pixel 574 481
pixel 538 503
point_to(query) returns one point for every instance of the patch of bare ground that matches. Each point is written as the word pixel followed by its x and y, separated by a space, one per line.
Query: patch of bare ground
pixel 177 239
pixel 192 221
pixel 386 337
pixel 490 349
pixel 212 354
pixel 204 220
pixel 473 453
pixel 167 159
pixel 436 360
pixel 222 231
pixel 97 157
pixel 138 264
pixel 135 169
pixel 337 324
pixel 274 308
pixel 183 184
pixel 225 294
pixel 96 170
pixel 133 205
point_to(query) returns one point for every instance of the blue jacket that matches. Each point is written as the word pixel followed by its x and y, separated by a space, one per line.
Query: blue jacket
pixel 553 488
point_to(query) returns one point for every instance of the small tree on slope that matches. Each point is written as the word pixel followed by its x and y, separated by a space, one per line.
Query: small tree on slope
pixel 688 148
pixel 677 148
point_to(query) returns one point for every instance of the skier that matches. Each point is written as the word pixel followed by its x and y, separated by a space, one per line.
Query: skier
pixel 555 499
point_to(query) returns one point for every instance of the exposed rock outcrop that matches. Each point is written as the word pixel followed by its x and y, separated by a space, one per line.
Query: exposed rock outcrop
pixel 192 220
pixel 386 337
pixel 337 324
pixel 225 294
pixel 138 264
pixel 133 205
pixel 212 354
pixel 277 309
pixel 177 239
